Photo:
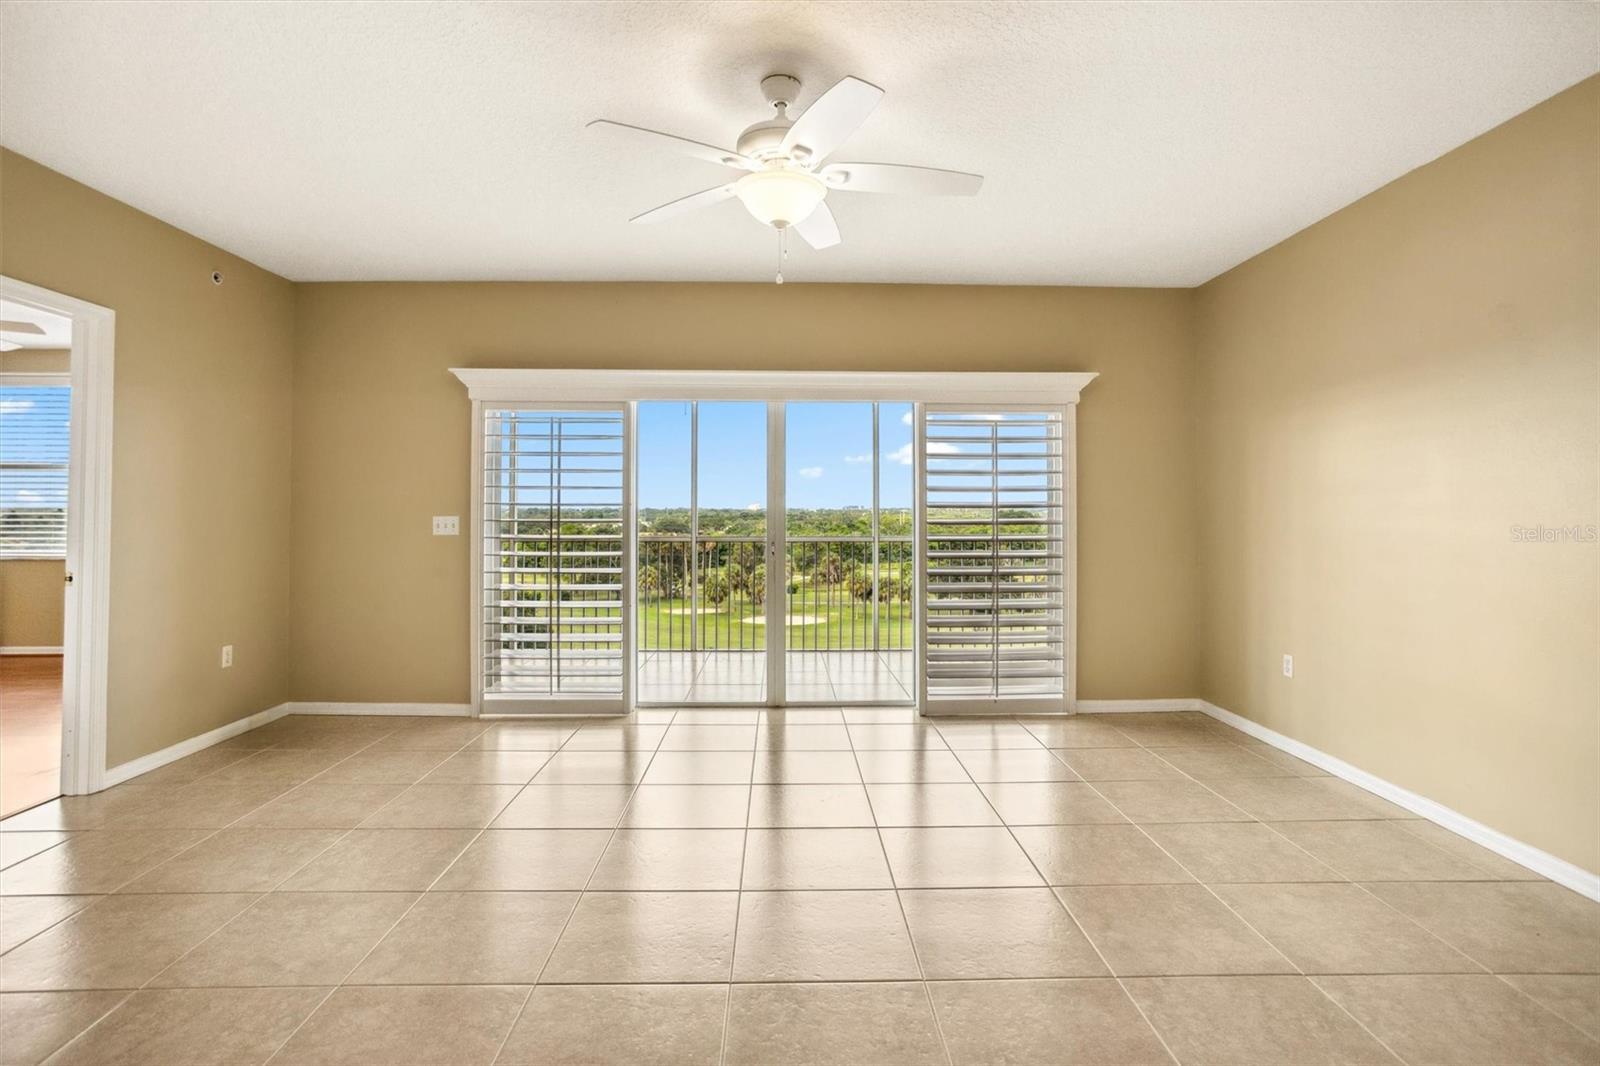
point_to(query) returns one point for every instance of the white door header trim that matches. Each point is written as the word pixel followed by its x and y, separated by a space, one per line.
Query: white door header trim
pixel 573 386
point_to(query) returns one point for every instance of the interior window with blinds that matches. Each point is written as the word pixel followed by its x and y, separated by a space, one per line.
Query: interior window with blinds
pixel 993 567
pixel 34 442
pixel 553 517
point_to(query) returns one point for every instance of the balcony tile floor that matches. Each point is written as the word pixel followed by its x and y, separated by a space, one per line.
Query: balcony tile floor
pixel 707 885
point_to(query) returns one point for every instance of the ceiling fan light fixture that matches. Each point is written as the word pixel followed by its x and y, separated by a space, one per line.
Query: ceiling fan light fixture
pixel 780 197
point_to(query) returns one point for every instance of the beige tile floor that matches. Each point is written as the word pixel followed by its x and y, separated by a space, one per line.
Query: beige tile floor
pixel 742 886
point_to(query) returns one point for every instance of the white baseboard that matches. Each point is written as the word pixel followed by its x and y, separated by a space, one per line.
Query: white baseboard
pixel 26 650
pixel 1136 706
pixel 1540 862
pixel 441 710
pixel 116 775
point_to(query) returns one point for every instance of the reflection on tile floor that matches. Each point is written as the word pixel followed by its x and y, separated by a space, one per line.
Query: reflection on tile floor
pixel 728 885
pixel 30 730
pixel 710 677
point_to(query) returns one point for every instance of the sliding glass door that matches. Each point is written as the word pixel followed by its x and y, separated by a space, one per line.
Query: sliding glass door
pixel 815 608
pixel 848 538
pixel 702 561
pixel 767 552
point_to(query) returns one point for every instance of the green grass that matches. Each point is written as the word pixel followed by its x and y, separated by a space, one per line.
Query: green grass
pixel 664 624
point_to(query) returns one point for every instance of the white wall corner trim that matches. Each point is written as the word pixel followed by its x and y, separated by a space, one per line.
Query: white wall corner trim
pixel 434 710
pixel 116 775
pixel 1562 872
pixel 23 649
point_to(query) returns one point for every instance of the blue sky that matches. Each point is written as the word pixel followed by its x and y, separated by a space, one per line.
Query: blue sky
pixel 829 461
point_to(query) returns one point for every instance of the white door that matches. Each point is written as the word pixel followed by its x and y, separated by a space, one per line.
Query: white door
pixel 554 621
pixel 993 558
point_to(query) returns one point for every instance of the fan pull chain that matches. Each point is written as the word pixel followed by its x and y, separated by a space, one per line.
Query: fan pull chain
pixel 783 253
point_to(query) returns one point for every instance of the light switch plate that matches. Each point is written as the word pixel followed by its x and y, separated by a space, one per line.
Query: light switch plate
pixel 227 656
pixel 1288 666
pixel 446 525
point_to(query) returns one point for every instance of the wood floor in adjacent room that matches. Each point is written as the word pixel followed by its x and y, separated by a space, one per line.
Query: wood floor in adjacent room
pixel 30 730
pixel 739 886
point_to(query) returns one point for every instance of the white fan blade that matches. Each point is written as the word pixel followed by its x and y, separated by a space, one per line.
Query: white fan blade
pixel 898 178
pixel 818 228
pixel 685 204
pixel 11 326
pixel 709 152
pixel 837 114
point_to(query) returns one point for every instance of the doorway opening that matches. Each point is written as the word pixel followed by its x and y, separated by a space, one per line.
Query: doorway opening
pixel 35 449
pixel 782 538
pixel 55 499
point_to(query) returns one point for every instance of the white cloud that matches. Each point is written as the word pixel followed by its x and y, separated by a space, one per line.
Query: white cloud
pixel 906 418
pixel 812 472
pixel 864 457
pixel 753 507
pixel 902 454
pixel 29 497
pixel 15 407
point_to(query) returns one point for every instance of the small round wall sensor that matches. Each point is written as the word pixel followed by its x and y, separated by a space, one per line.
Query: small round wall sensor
pixel 216 277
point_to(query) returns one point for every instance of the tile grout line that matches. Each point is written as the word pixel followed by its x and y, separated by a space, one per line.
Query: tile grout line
pixel 1217 896
pixel 600 855
pixel 894 882
pixel 738 902
pixel 247 907
pixel 341 983
pixel 1487 970
pixel 215 832
pixel 1073 918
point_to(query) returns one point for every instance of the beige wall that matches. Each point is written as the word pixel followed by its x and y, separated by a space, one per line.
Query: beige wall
pixel 382 433
pixel 31 602
pixel 31 599
pixel 200 543
pixel 36 360
pixel 1383 397
pixel 1326 447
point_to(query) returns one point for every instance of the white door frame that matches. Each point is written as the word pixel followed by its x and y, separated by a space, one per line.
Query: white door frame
pixel 86 632
pixel 557 387
pixel 777 591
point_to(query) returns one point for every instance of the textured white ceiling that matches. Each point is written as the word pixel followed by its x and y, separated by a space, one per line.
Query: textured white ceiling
pixel 1124 144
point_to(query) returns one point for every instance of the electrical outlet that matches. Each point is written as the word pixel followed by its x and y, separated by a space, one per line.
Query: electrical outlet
pixel 446 525
pixel 227 656
pixel 1288 666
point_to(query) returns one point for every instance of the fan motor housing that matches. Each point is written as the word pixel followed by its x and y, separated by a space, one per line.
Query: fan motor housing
pixel 764 139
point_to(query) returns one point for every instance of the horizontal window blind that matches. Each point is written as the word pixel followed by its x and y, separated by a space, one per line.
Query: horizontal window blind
pixel 553 513
pixel 34 443
pixel 993 568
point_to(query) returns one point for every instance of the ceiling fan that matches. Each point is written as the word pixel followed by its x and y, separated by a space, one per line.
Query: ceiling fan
pixel 788 175
pixel 8 326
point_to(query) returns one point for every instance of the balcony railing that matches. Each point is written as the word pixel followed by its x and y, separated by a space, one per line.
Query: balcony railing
pixel 841 593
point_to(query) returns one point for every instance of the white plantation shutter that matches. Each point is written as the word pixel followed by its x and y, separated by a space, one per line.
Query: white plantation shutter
pixel 34 446
pixel 554 540
pixel 994 558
